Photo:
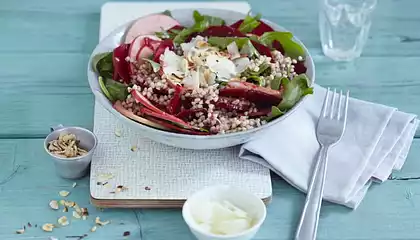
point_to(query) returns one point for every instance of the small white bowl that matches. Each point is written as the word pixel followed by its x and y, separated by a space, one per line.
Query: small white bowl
pixel 247 201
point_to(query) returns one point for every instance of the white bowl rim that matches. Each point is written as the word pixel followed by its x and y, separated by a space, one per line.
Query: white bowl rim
pixel 99 94
pixel 192 224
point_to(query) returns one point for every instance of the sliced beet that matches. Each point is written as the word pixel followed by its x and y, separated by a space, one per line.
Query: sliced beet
pixel 255 94
pixel 176 128
pixel 167 43
pixel 118 106
pixel 300 67
pixel 262 49
pixel 174 105
pixel 222 31
pixel 187 114
pixel 259 30
pixel 138 97
pixel 231 104
pixel 277 45
pixel 121 66
pixel 166 117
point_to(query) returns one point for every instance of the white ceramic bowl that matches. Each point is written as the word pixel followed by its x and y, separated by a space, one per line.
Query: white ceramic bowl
pixel 247 201
pixel 184 16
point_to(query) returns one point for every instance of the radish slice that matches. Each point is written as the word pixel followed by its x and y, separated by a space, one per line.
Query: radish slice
pixel 118 106
pixel 142 47
pixel 145 102
pixel 149 25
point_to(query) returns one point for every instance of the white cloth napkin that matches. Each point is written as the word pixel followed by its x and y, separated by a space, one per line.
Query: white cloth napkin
pixel 376 142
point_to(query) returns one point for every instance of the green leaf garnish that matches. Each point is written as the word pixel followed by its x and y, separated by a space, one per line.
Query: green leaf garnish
pixel 155 65
pixel 167 13
pixel 104 89
pixel 102 64
pixel 276 82
pixel 212 21
pixel 249 50
pixel 113 90
pixel 294 90
pixel 202 22
pixel 223 42
pixel 275 112
pixel 291 48
pixel 249 23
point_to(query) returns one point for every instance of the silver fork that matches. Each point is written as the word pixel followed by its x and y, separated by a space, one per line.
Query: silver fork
pixel 330 129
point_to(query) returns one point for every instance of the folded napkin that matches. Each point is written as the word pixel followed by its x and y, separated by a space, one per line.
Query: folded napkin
pixel 376 142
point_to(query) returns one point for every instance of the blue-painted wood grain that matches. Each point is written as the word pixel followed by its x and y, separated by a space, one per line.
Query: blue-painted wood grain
pixel 44 48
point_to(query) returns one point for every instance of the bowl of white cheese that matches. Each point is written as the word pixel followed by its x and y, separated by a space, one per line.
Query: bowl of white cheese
pixel 224 212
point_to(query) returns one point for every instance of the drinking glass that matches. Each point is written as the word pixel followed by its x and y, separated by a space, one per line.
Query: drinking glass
pixel 344 27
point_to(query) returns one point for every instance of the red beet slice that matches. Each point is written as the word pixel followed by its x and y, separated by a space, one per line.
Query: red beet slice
pixel 145 102
pixel 259 30
pixel 222 31
pixel 262 49
pixel 167 43
pixel 190 113
pixel 176 128
pixel 174 105
pixel 230 104
pixel 300 67
pixel 252 92
pixel 118 106
pixel 121 66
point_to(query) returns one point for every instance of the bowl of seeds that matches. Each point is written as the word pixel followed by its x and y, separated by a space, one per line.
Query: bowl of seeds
pixel 71 149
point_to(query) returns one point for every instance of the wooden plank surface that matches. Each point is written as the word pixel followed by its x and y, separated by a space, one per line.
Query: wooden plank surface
pixel 390 211
pixel 44 48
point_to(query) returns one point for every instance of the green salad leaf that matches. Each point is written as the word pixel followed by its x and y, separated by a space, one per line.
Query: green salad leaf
pixel 275 112
pixel 249 23
pixel 212 21
pixel 202 22
pixel 294 90
pixel 291 48
pixel 167 13
pixel 276 82
pixel 155 65
pixel 113 90
pixel 249 50
pixel 102 64
pixel 223 42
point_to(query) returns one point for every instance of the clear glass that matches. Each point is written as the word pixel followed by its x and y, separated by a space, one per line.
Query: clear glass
pixel 344 27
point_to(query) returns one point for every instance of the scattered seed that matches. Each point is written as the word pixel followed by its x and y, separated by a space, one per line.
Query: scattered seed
pixel 93 229
pixel 117 132
pixel 65 209
pixel 133 148
pixel 48 227
pixel 54 204
pixel 20 231
pixel 64 193
pixel 36 225
pixel 76 215
pixel 69 204
pixel 100 223
pixel 147 188
pixel 63 221
pixel 74 185
pixel 121 188
pixel 126 233
pixel 29 224
pixel 84 212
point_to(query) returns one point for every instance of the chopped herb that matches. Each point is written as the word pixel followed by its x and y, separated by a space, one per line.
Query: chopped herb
pixel 155 65
pixel 249 23
pixel 294 90
pixel 275 112
pixel 291 48
pixel 167 13
pixel 212 21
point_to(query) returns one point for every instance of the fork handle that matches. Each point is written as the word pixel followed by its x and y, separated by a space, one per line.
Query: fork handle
pixel 308 223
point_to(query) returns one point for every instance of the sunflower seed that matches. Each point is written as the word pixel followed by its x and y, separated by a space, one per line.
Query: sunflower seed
pixel 48 227
pixel 64 193
pixel 54 204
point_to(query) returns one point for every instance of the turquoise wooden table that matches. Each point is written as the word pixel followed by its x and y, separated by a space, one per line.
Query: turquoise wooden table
pixel 44 49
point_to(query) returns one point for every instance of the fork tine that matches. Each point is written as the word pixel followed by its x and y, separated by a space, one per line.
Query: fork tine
pixel 346 105
pixel 324 108
pixel 333 104
pixel 339 107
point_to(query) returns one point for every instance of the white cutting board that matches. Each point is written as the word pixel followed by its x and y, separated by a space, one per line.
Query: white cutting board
pixel 169 174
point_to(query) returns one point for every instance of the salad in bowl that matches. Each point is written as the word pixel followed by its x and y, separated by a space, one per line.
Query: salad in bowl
pixel 209 76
